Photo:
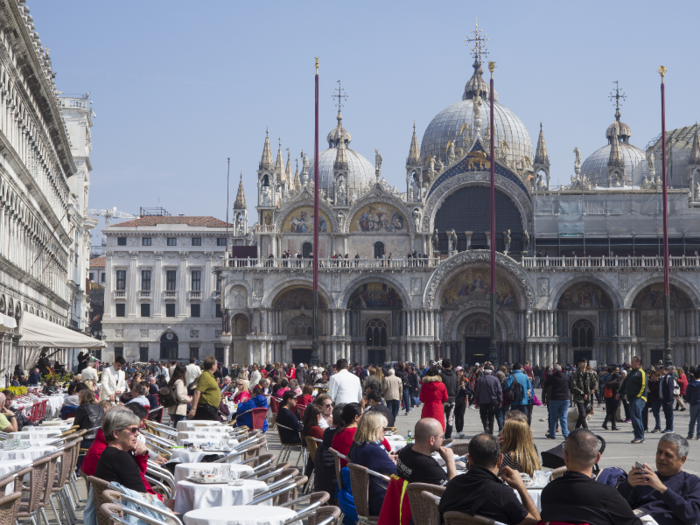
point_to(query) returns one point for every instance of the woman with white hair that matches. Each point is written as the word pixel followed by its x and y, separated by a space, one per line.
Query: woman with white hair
pixel 120 428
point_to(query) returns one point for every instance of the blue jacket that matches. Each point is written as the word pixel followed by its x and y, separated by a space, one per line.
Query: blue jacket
pixel 375 457
pixel 247 419
pixel 520 376
pixel 692 393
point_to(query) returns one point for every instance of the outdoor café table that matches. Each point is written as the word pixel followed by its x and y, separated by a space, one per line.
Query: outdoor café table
pixel 38 441
pixel 535 496
pixel 396 442
pixel 192 496
pixel 185 470
pixel 186 435
pixel 54 404
pixel 186 455
pixel 29 454
pixel 250 515
pixel 36 433
pixel 214 439
pixel 7 467
pixel 189 424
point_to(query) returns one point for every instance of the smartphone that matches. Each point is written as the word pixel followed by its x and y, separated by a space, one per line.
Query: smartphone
pixel 637 464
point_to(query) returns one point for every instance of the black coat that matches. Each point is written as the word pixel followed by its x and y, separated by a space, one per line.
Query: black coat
pixel 558 383
pixel 449 379
pixel 324 464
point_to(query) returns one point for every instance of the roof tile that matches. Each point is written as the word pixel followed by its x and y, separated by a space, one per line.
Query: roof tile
pixel 202 222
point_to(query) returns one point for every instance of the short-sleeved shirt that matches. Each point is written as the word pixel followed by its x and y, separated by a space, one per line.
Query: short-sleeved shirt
pixel 480 492
pixel 4 422
pixel 415 467
pixel 211 393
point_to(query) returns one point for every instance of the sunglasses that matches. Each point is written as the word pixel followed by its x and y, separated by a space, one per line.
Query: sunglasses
pixel 132 430
pixel 326 405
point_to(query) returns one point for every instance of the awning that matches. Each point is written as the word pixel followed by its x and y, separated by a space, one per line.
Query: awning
pixel 7 323
pixel 38 332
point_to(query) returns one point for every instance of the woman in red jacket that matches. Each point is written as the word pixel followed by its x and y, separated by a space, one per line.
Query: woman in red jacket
pixel 433 394
pixel 683 384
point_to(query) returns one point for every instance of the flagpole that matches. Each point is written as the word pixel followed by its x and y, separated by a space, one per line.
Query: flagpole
pixel 668 353
pixel 314 343
pixel 493 349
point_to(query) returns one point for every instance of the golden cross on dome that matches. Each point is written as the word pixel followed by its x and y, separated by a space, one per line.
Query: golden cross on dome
pixel 340 95
pixel 477 43
pixel 617 95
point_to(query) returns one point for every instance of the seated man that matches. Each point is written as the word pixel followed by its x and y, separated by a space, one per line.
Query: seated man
pixel 668 495
pixel 415 464
pixel 374 400
pixel 481 492
pixel 575 497
pixel 140 396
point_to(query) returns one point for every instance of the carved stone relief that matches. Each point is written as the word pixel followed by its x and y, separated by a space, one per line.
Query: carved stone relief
pixel 258 287
pixel 144 332
pixel 542 287
pixel 416 286
pixel 194 334
pixel 119 333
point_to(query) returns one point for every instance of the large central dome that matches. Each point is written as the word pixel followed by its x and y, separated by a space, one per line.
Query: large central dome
pixel 449 123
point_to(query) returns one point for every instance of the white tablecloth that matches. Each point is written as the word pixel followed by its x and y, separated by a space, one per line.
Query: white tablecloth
pixel 187 424
pixel 38 440
pixel 185 470
pixel 193 496
pixel 396 442
pixel 6 467
pixel 55 424
pixel 194 456
pixel 53 407
pixel 535 495
pixel 201 433
pixel 253 515
pixel 36 433
pixel 30 454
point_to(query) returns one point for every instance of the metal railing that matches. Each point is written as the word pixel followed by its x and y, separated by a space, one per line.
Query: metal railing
pixel 349 264
pixel 609 263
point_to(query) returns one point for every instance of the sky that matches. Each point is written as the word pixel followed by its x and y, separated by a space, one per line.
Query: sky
pixel 178 87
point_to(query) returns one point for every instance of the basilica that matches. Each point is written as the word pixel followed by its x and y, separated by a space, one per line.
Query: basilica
pixel 579 266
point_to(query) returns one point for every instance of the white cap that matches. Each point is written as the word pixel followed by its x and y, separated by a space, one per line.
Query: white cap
pixel 477 364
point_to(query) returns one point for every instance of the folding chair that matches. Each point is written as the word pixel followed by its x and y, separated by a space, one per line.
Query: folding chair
pixel 288 447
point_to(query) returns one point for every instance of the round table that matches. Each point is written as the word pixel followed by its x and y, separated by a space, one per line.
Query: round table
pixel 36 434
pixel 396 442
pixel 193 456
pixel 30 453
pixel 203 439
pixel 185 470
pixel 252 515
pixel 201 433
pixel 535 496
pixel 54 404
pixel 192 496
pixel 187 424
pixel 38 440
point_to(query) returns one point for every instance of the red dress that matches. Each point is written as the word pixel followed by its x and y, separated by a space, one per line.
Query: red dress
pixel 433 394
pixel 306 400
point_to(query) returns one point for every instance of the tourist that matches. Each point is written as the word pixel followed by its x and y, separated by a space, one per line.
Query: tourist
pixel 576 497
pixel 654 401
pixel 326 403
pixel 88 417
pixel 669 495
pixel 283 387
pixel 8 420
pixel 481 492
pixel 367 451
pixel 306 398
pixel 178 382
pixel 374 400
pixel 402 373
pixel 488 395
pixel 413 380
pixel 612 385
pixel 287 418
pixel 519 396
pixel 345 429
pixel 258 400
pixel 34 377
pixel 693 396
pixel 449 379
pixel 138 395
pixel 324 462
pixel 433 394
pixel 344 387
pixel 392 389
pixel 255 376
pixel 207 395
pixel 558 396
pixel 372 382
pixel 667 386
pixel 311 429
pixel 584 385
pixel 415 463
pixel 682 384
pixel 89 373
pixel 460 401
pixel 518 448
pixel 113 380
pixel 634 385
pixel 51 387
pixel 242 395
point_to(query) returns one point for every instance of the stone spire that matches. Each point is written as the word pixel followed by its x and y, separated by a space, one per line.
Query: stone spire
pixel 413 153
pixel 541 157
pixel 297 181
pixel 288 171
pixel 266 160
pixel 239 204
pixel 279 165
pixel 695 151
pixel 341 158
pixel 615 160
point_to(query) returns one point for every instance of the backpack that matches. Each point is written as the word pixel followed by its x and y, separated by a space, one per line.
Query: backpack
pixel 167 396
pixel 515 392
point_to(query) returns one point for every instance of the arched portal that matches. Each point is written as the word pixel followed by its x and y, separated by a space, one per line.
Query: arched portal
pixel 240 325
pixel 376 341
pixel 467 212
pixel 169 345
pixel 582 337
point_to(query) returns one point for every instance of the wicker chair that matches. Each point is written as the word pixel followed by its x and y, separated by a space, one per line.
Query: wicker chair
pixel 61 486
pixel 460 449
pixel 38 479
pixel 423 510
pixel 99 486
pixel 324 513
pixel 293 494
pixel 337 456
pixel 359 481
pixel 460 518
pixel 52 477
pixel 8 508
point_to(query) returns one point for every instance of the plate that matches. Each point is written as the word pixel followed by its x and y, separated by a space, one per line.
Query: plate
pixel 214 481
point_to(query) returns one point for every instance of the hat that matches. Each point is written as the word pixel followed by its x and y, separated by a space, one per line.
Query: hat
pixel 477 364
pixel 315 368
pixel 458 369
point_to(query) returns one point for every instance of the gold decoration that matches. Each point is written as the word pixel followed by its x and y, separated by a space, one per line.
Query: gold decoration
pixel 662 72
pixel 317 65
pixel 448 145
pixel 492 67
pixel 428 161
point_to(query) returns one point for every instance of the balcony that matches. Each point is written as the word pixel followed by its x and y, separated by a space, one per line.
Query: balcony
pixel 329 264
pixel 170 295
pixel 194 295
pixel 144 295
pixel 120 295
pixel 564 264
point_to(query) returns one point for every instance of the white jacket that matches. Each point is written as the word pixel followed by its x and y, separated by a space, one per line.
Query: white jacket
pixel 345 387
pixel 255 378
pixel 88 374
pixel 193 372
pixel 112 382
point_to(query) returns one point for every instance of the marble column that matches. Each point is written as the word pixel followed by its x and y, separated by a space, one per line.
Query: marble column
pixel 133 285
pixel 182 286
pixel 250 353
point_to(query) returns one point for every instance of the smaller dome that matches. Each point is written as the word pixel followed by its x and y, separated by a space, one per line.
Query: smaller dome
pixel 623 130
pixel 477 83
pixel 338 133
pixel 595 167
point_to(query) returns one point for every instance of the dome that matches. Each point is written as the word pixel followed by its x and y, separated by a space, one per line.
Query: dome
pixel 447 125
pixel 338 133
pixel 595 167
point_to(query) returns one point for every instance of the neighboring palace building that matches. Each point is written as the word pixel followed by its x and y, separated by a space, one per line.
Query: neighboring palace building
pixel 579 271
pixel 44 166
pixel 161 296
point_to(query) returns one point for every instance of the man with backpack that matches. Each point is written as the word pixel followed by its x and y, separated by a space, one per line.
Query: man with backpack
pixel 584 385
pixel 518 388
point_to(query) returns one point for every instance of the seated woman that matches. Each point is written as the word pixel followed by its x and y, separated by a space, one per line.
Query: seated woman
pixel 8 420
pixel 88 416
pixel 311 429
pixel 306 397
pixel 287 418
pixel 294 386
pixel 244 409
pixel 345 431
pixel 242 395
pixel 518 448
pixel 325 403
pixel 282 388
pixel 367 450
pixel 51 387
pixel 120 429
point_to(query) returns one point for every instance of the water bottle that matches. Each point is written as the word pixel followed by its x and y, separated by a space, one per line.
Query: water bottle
pixel 409 439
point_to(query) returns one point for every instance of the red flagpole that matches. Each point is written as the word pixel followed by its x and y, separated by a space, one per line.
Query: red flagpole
pixel 493 349
pixel 314 343
pixel 668 353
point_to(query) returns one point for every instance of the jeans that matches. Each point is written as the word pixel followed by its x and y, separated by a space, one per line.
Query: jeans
pixel 459 416
pixel 694 421
pixel 636 406
pixel 522 408
pixel 176 419
pixel 581 421
pixel 406 399
pixel 448 408
pixel 656 410
pixel 394 405
pixel 499 419
pixel 668 414
pixel 487 413
pixel 87 443
pixel 558 411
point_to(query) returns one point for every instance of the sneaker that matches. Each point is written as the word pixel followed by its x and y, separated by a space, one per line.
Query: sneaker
pixel 628 420
pixel 637 441
pixel 549 436
pixel 655 431
pixel 689 437
pixel 615 428
pixel 697 438
pixel 668 431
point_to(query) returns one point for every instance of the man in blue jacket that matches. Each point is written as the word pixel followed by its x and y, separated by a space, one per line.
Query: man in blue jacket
pixel 518 375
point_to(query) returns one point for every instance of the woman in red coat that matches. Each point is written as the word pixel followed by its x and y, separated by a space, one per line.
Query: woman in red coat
pixel 433 394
